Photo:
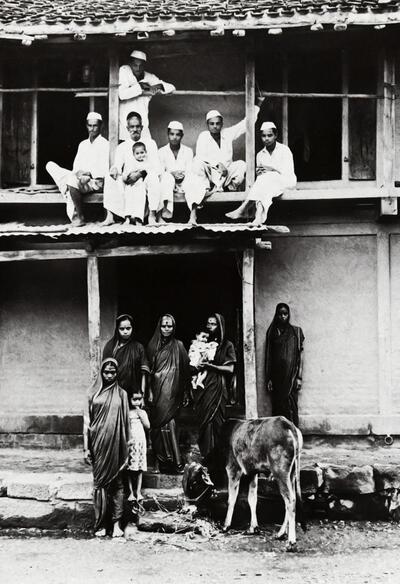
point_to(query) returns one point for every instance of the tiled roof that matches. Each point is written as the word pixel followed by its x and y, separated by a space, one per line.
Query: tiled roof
pixel 126 16
pixel 118 229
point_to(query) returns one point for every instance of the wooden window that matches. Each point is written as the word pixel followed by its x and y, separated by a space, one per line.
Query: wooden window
pixel 325 104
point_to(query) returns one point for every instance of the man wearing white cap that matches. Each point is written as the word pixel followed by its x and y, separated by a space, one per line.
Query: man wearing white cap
pixel 114 189
pixel 275 174
pixel 177 175
pixel 214 153
pixel 136 88
pixel 90 166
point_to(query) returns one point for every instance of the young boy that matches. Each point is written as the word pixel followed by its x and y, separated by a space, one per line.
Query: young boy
pixel 201 349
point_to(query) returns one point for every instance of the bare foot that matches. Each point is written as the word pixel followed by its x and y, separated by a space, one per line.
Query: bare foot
pixel 152 218
pixel 193 217
pixel 233 214
pixel 100 533
pixel 109 220
pixel 131 497
pixel 117 531
pixel 139 497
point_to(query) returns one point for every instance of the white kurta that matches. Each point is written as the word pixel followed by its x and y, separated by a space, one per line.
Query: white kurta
pixel 131 98
pixel 271 183
pixel 114 190
pixel 93 156
pixel 192 185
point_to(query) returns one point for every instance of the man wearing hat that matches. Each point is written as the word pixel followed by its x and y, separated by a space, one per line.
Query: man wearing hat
pixel 275 174
pixel 177 175
pixel 90 166
pixel 136 88
pixel 214 152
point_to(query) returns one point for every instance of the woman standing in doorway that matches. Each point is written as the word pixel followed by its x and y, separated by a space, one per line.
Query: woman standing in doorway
pixel 284 364
pixel 106 436
pixel 133 366
pixel 169 380
pixel 210 402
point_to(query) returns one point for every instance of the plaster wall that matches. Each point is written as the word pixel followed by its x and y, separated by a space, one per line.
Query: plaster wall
pixel 330 285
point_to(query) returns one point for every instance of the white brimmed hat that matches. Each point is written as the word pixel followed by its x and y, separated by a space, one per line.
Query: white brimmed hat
pixel 267 126
pixel 213 114
pixel 138 55
pixel 174 125
pixel 94 116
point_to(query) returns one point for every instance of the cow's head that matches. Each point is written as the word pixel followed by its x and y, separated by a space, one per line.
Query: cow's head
pixel 196 482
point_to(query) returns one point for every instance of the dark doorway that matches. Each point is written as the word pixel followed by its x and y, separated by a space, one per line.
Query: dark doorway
pixel 190 287
pixel 61 127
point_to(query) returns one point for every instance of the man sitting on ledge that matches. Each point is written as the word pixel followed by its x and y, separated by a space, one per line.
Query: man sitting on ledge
pixel 88 171
pixel 275 174
pixel 214 154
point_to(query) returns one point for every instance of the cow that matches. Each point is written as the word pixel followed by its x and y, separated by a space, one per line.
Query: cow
pixel 263 445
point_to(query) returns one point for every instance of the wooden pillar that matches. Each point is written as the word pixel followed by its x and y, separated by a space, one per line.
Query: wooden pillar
pixel 113 103
pixel 385 133
pixel 249 342
pixel 93 287
pixel 250 116
pixel 34 129
pixel 384 323
pixel 1 123
pixel 285 100
pixel 345 118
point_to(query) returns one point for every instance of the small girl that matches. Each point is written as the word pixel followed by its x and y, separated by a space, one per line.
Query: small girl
pixel 135 195
pixel 137 463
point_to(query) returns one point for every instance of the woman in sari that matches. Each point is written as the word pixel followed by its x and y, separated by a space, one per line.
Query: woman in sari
pixel 169 380
pixel 210 402
pixel 106 436
pixel 133 367
pixel 284 364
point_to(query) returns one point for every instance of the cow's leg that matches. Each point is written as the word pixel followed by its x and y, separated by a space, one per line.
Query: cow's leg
pixel 234 475
pixel 252 499
pixel 287 490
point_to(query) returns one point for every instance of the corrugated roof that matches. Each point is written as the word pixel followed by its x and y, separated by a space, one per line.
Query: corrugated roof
pixel 126 16
pixel 119 229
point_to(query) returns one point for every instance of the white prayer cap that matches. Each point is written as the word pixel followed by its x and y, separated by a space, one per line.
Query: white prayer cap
pixel 267 126
pixel 174 125
pixel 139 55
pixel 94 116
pixel 213 114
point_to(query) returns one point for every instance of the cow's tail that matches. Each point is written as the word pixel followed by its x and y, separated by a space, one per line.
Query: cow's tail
pixel 300 514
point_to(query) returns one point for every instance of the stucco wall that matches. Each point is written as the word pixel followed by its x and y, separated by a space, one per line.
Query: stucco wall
pixel 43 336
pixel 330 285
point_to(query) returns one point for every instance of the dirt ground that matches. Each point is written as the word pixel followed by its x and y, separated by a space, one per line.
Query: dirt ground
pixel 328 553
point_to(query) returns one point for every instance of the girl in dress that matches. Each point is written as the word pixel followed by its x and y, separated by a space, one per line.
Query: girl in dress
pixel 137 463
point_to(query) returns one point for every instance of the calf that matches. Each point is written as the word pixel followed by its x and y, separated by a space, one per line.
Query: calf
pixel 265 445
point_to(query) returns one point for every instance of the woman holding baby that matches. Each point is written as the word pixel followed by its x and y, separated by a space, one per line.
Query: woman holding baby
pixel 210 402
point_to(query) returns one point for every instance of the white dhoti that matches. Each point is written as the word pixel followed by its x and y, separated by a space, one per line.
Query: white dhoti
pixel 267 187
pixel 130 200
pixel 65 178
pixel 192 187
pixel 232 181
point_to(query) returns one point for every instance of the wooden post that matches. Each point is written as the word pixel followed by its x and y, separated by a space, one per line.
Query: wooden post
pixel 384 323
pixel 385 133
pixel 285 100
pixel 250 117
pixel 113 104
pixel 345 118
pixel 1 123
pixel 93 315
pixel 34 129
pixel 249 343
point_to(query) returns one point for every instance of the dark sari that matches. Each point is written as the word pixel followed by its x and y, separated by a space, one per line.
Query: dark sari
pixel 108 433
pixel 282 361
pixel 169 378
pixel 131 358
pixel 210 402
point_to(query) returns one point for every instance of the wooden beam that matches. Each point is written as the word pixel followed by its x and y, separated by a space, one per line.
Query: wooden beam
pixel 250 117
pixel 345 118
pixel 249 342
pixel 34 132
pixel 385 133
pixel 384 323
pixel 93 287
pixel 24 255
pixel 113 103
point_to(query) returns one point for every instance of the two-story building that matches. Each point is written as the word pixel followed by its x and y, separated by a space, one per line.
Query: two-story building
pixel 328 72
